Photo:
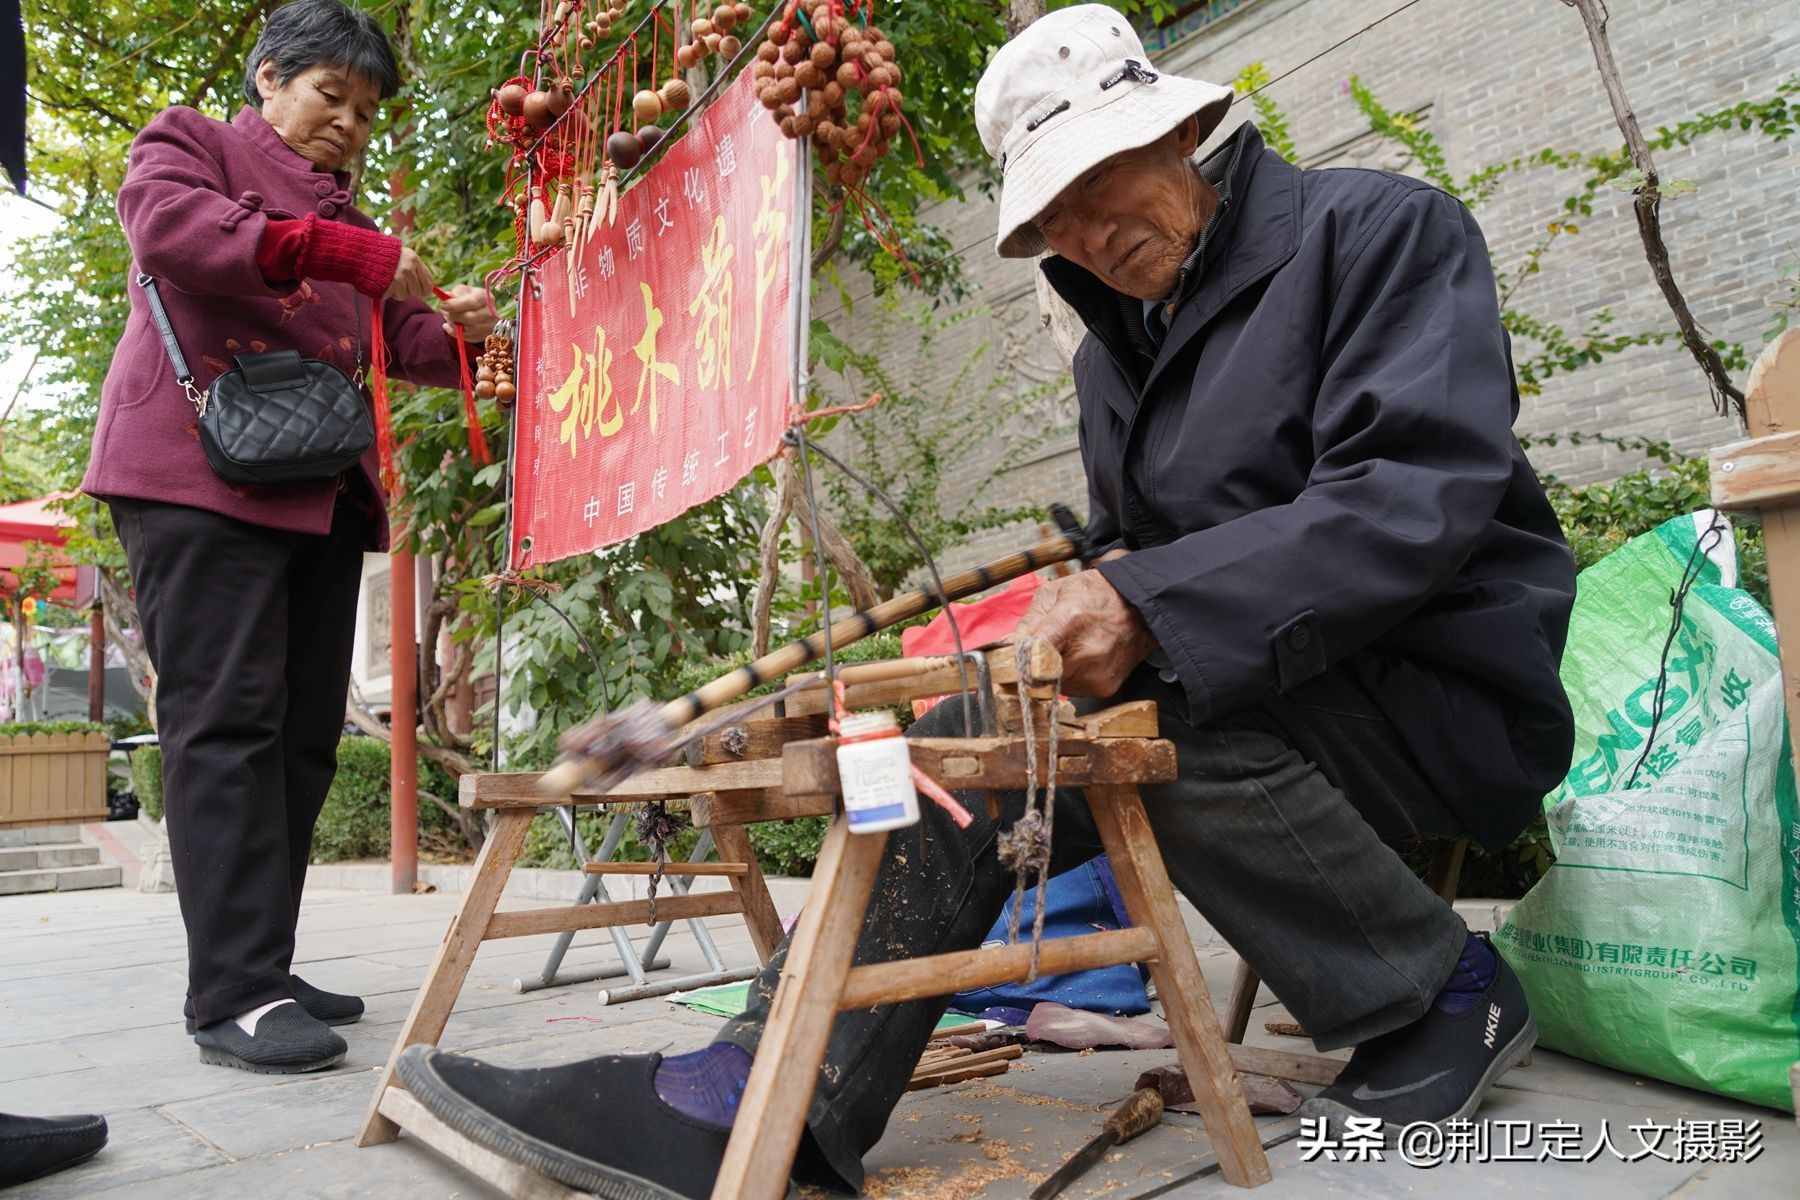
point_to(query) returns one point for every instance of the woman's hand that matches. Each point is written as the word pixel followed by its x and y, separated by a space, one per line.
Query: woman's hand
pixel 470 307
pixel 412 279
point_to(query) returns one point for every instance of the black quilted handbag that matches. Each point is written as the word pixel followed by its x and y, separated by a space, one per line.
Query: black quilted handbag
pixel 277 417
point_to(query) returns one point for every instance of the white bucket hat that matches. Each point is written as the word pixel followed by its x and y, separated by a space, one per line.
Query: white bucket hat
pixel 1072 90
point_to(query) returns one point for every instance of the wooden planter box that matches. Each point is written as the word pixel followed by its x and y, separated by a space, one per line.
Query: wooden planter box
pixel 53 778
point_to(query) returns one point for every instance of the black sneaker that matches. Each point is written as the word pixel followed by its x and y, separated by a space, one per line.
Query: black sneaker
pixel 596 1125
pixel 32 1147
pixel 333 1008
pixel 288 1041
pixel 1440 1067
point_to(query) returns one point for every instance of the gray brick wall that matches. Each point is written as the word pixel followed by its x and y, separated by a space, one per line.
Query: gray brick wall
pixel 1491 80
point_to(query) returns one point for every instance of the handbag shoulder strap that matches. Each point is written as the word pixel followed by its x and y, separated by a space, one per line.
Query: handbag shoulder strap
pixel 160 315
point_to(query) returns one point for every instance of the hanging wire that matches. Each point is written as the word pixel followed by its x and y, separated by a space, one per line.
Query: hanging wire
pixel 822 562
pixel 937 582
pixel 1690 574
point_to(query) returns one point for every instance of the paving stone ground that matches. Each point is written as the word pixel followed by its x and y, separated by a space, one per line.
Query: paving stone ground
pixel 90 993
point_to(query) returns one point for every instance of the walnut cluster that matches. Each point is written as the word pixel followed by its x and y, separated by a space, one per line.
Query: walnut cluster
pixel 851 84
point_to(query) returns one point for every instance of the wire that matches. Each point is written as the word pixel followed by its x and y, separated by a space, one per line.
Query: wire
pixel 962 250
pixel 1690 574
pixel 962 662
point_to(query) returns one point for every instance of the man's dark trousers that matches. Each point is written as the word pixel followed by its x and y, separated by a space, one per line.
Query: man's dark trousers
pixel 251 631
pixel 1278 830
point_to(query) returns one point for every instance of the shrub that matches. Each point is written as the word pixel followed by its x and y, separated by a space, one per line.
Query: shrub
pixel 146 780
pixel 354 822
pixel 22 728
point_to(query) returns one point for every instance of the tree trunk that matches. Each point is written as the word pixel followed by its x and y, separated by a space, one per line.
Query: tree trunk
pixel 1021 13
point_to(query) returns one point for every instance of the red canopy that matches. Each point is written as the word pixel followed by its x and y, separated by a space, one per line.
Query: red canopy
pixel 36 521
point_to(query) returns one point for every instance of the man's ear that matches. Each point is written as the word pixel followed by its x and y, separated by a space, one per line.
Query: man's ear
pixel 1187 136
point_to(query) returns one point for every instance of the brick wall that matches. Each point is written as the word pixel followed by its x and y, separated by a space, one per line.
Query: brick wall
pixel 1491 80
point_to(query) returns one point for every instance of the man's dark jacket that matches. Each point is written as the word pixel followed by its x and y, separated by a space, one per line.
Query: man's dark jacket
pixel 1316 471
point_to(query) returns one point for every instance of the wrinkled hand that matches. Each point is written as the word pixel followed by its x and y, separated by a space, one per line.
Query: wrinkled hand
pixel 412 279
pixel 470 307
pixel 1101 638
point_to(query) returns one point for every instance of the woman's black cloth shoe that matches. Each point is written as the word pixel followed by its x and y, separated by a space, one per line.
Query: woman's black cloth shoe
pixel 288 1041
pixel 329 1007
pixel 35 1146
pixel 1437 1069
pixel 596 1125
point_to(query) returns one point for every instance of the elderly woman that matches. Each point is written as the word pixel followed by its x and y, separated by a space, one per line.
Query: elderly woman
pixel 248 592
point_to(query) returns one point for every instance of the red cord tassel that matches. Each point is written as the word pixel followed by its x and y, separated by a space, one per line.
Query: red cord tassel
pixel 478 446
pixel 384 417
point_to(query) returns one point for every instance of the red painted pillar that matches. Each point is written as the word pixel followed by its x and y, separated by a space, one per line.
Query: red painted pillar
pixel 96 662
pixel 403 811
pixel 403 806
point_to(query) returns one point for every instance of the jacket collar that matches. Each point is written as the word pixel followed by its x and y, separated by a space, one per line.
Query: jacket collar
pixel 1255 232
pixel 254 126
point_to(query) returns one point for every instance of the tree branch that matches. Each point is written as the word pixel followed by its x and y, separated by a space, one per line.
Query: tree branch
pixel 232 50
pixel 834 234
pixel 1649 200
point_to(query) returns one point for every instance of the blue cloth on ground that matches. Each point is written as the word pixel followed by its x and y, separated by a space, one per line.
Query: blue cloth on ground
pixel 1082 900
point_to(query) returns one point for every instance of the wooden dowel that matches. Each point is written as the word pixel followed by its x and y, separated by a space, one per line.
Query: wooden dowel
pixel 976 1058
pixel 672 868
pixel 959 1075
pixel 603 916
pixel 965 970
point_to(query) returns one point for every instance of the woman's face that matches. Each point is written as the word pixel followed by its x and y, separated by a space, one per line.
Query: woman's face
pixel 324 113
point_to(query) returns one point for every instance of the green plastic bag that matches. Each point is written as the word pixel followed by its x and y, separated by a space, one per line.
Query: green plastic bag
pixel 1665 940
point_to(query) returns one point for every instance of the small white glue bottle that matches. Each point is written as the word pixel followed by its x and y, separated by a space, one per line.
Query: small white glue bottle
pixel 875 773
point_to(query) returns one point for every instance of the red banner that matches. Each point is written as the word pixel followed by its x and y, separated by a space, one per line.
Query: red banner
pixel 660 375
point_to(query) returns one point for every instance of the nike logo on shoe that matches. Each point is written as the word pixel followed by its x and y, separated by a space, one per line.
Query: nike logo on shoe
pixel 1366 1093
pixel 1493 1025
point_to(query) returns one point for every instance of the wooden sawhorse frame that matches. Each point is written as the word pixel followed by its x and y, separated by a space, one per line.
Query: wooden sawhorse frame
pixel 1107 754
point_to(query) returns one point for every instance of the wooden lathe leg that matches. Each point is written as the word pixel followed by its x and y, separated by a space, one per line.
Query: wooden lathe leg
pixel 1244 986
pixel 760 917
pixel 444 980
pixel 772 1113
pixel 1150 899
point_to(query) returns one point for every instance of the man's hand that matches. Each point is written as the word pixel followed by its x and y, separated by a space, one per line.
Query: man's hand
pixel 1101 638
pixel 470 307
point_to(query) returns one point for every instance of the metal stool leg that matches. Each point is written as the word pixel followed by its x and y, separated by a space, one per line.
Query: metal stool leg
pixel 593 888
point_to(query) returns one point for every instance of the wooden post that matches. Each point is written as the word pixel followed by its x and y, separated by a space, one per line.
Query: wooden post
pixel 1150 899
pixel 1741 477
pixel 455 955
pixel 97 661
pixel 786 1069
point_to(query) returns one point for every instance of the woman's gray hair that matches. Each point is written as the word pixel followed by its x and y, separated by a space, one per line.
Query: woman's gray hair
pixel 311 33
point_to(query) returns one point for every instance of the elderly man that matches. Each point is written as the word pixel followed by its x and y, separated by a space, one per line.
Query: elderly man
pixel 1328 562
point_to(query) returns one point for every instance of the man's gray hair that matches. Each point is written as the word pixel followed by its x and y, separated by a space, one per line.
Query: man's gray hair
pixel 311 33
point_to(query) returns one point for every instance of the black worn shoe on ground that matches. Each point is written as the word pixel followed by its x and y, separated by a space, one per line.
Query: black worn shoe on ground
pixel 1437 1069
pixel 596 1125
pixel 288 1041
pixel 31 1147
pixel 333 1008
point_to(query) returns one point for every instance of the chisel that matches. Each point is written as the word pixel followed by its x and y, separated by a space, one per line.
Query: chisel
pixel 1141 1110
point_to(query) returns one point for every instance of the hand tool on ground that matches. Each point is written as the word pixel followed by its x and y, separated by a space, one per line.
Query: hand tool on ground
pixel 1141 1110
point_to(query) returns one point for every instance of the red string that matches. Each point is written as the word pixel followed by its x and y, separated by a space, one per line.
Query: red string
pixel 478 447
pixel 378 388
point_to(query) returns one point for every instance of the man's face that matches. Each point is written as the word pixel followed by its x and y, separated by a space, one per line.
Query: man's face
pixel 1133 220
pixel 324 112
